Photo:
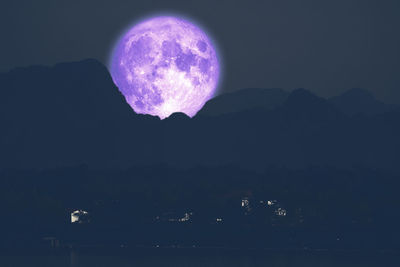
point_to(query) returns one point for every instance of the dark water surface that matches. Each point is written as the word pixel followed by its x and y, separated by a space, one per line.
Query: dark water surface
pixel 195 258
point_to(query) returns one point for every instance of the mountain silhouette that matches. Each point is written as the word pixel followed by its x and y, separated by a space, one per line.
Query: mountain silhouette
pixel 62 115
pixel 359 101
pixel 302 105
pixel 73 114
pixel 245 99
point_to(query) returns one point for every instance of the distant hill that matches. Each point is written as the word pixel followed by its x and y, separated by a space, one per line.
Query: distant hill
pixel 303 105
pixel 73 114
pixel 244 99
pixel 351 102
pixel 359 101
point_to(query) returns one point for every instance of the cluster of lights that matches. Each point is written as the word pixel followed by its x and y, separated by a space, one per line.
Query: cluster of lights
pixel 186 217
pixel 78 215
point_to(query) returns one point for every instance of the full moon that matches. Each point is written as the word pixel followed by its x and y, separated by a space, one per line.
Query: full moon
pixel 165 65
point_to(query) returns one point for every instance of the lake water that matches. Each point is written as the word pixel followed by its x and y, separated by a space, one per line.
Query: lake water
pixel 194 258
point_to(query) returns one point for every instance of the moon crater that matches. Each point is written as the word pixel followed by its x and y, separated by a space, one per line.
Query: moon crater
pixel 165 65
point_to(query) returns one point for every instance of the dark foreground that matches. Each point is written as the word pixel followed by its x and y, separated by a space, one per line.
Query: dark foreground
pixel 195 257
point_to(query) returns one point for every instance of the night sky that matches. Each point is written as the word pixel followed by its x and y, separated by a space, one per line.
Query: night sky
pixel 324 46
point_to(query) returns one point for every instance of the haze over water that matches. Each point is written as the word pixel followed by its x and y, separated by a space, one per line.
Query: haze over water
pixel 195 258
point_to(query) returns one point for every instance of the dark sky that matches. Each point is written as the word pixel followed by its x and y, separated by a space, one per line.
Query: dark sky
pixel 327 46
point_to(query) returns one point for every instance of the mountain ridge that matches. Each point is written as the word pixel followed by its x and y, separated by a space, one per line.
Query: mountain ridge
pixel 73 114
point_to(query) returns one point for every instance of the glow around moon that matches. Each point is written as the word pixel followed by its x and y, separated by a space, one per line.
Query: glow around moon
pixel 165 65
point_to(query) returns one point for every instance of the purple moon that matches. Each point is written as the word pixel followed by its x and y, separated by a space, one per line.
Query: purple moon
pixel 165 65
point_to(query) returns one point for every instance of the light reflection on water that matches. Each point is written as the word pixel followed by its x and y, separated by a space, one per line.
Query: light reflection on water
pixel 195 258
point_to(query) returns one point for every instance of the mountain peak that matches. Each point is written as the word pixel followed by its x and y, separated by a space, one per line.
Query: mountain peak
pixel 302 94
pixel 302 104
pixel 178 116
pixel 303 98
